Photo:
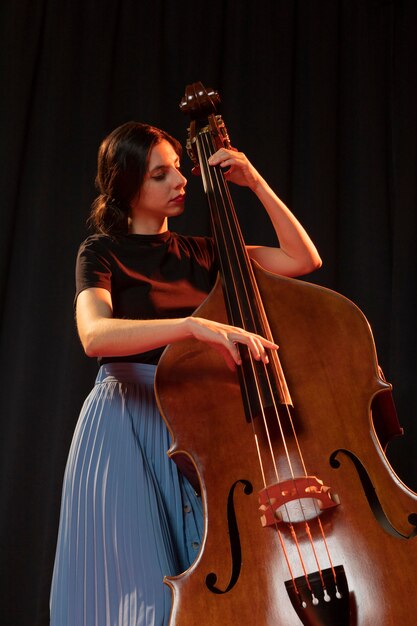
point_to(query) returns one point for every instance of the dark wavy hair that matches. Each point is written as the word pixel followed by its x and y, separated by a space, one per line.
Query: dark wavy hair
pixel 122 164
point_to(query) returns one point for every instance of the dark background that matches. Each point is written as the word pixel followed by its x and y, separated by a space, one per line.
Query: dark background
pixel 321 94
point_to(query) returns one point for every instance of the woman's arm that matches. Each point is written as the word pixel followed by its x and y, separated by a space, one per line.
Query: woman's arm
pixel 297 254
pixel 103 335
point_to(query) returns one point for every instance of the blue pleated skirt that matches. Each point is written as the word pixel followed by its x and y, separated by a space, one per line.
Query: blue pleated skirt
pixel 128 517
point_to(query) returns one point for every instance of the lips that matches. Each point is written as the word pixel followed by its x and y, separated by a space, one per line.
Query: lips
pixel 179 199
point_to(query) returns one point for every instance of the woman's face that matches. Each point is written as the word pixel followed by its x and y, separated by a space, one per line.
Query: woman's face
pixel 162 193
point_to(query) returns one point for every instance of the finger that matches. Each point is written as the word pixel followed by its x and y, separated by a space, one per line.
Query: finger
pixel 230 354
pixel 260 353
pixel 215 158
pixel 252 342
pixel 221 161
pixel 256 344
pixel 231 361
pixel 267 343
pixel 233 350
pixel 221 156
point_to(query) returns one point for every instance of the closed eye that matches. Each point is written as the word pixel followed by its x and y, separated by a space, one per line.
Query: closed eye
pixel 160 172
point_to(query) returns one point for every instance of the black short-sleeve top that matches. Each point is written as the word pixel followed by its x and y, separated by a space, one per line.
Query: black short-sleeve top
pixel 149 276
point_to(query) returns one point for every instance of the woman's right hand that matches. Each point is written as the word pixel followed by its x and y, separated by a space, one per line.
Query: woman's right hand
pixel 224 339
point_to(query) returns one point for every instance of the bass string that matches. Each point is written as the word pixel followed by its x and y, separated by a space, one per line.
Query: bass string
pixel 210 174
pixel 225 222
pixel 228 247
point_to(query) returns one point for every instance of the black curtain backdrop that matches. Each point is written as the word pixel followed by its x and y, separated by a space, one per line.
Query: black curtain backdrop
pixel 320 94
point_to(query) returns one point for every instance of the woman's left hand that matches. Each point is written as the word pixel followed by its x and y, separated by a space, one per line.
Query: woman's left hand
pixel 241 171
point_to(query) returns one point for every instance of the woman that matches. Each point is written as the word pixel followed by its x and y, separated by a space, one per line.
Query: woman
pixel 128 517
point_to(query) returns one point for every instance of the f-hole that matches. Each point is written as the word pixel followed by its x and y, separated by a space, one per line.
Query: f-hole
pixel 235 546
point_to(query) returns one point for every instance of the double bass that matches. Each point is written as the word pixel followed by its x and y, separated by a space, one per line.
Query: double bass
pixel 305 520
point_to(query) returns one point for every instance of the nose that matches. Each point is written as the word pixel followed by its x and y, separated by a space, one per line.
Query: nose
pixel 181 180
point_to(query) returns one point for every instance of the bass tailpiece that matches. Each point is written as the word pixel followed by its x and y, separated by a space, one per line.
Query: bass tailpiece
pixel 322 600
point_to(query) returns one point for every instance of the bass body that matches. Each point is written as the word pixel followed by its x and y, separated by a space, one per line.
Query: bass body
pixel 241 574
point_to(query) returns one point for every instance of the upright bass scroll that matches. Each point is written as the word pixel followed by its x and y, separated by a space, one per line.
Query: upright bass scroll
pixel 305 520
